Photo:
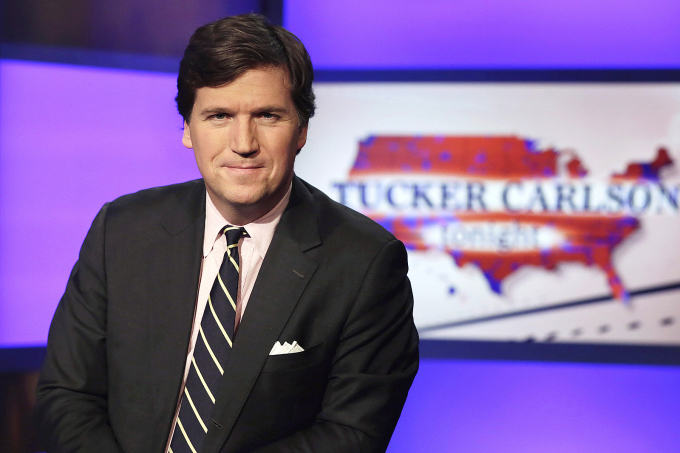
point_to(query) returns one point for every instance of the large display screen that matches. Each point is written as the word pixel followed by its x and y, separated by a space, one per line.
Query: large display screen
pixel 532 212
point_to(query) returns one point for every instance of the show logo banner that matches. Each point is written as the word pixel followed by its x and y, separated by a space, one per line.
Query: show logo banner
pixel 499 203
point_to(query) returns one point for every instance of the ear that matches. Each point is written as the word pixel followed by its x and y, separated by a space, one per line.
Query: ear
pixel 186 136
pixel 302 138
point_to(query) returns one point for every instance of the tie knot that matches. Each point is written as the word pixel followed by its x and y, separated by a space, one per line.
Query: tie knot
pixel 233 233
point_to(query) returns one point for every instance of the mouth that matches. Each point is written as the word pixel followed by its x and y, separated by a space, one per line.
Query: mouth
pixel 243 167
pixel 243 171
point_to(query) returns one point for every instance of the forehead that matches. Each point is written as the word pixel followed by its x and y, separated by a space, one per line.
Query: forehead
pixel 268 85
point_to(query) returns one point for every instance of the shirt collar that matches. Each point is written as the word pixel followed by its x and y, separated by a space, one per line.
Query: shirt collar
pixel 261 231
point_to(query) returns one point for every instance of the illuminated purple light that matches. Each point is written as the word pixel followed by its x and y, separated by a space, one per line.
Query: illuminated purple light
pixel 488 33
pixel 519 407
pixel 71 139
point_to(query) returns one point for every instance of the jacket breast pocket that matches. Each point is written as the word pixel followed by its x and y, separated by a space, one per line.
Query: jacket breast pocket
pixel 287 395
pixel 284 362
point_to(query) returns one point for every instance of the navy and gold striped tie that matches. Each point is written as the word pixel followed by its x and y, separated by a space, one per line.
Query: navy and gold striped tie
pixel 211 353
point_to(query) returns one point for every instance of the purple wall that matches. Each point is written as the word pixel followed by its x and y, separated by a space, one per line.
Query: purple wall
pixel 487 33
pixel 71 139
pixel 523 407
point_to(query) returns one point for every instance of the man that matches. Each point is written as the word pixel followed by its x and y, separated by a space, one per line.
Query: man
pixel 318 349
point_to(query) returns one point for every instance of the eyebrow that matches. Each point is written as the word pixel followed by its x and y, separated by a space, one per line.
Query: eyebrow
pixel 214 110
pixel 266 108
pixel 272 109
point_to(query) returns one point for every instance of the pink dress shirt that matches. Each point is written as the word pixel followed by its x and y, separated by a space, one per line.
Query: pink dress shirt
pixel 251 254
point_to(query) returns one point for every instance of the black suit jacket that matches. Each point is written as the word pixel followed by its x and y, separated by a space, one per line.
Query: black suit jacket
pixel 332 280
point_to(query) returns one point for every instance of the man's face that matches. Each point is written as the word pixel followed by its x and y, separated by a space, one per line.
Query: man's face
pixel 245 136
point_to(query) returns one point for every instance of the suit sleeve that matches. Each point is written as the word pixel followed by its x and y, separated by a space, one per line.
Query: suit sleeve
pixel 71 409
pixel 373 368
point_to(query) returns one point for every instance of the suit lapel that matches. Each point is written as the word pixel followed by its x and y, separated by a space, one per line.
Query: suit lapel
pixel 174 268
pixel 284 274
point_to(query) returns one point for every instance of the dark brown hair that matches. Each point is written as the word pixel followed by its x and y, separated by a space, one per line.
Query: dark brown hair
pixel 222 51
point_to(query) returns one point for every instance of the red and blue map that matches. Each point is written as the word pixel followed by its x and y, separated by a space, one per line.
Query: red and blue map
pixel 500 204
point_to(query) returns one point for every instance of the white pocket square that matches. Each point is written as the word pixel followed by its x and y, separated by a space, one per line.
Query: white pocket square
pixel 286 348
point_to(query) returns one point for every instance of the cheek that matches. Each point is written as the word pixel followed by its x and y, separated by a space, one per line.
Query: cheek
pixel 282 149
pixel 283 162
pixel 200 158
pixel 206 150
pixel 205 165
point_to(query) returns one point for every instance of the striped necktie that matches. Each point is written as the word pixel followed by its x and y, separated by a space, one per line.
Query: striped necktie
pixel 211 353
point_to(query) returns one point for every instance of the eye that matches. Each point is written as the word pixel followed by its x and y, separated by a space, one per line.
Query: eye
pixel 268 116
pixel 219 116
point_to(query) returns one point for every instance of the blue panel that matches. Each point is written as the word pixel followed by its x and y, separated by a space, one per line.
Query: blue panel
pixel 470 406
pixel 488 33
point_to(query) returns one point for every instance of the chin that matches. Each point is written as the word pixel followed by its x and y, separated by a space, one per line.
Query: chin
pixel 247 198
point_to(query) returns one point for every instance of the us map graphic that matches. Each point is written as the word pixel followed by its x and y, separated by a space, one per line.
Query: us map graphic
pixel 500 204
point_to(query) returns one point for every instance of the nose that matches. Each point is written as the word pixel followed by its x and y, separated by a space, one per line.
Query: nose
pixel 243 137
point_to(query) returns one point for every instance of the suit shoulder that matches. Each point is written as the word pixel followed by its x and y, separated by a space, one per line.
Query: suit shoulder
pixel 135 214
pixel 332 215
pixel 157 197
